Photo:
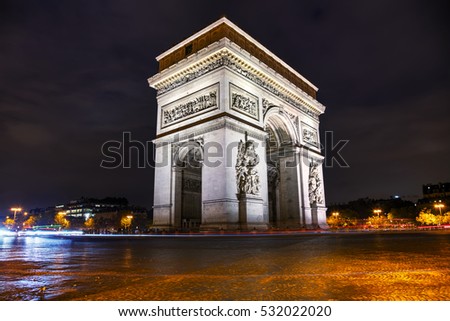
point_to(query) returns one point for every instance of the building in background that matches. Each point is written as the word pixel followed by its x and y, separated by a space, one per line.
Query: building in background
pixel 436 191
pixel 89 207
pixel 107 215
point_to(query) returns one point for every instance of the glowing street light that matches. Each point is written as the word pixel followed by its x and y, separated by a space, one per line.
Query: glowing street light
pixel 16 210
pixel 440 206
pixel 335 214
pixel 129 222
pixel 377 211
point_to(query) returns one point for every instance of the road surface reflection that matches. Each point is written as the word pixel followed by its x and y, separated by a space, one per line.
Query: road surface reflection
pixel 390 266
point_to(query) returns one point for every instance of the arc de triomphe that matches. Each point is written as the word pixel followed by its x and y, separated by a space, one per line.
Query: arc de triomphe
pixel 237 143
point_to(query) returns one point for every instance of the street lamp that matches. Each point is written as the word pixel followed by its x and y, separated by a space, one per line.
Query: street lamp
pixel 15 210
pixel 439 206
pixel 377 211
pixel 130 221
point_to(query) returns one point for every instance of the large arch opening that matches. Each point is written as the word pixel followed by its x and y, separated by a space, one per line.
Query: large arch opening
pixel 188 189
pixel 281 137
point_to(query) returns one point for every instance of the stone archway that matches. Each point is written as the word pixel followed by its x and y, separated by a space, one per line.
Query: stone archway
pixel 187 169
pixel 231 94
pixel 284 183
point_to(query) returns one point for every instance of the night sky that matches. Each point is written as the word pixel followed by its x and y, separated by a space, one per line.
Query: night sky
pixel 73 74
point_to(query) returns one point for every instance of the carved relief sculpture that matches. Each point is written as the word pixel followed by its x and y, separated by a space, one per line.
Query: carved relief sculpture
pixel 265 105
pixel 225 61
pixel 247 178
pixel 244 102
pixel 309 135
pixel 193 155
pixel 294 119
pixel 191 107
pixel 315 185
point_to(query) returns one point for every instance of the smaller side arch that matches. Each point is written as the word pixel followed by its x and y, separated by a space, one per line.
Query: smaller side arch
pixel 188 154
pixel 276 121
pixel 187 185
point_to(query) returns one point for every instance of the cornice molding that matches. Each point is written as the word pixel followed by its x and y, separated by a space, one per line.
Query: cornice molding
pixel 225 28
pixel 183 73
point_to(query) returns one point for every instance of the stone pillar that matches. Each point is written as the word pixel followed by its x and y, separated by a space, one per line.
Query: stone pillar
pixel 251 208
pixel 304 175
pixel 162 208
pixel 314 212
pixel 321 209
pixel 220 204
pixel 289 191
pixel 319 214
pixel 177 191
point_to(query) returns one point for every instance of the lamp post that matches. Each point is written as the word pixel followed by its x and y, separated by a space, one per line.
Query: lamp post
pixel 377 211
pixel 440 206
pixel 335 220
pixel 16 210
pixel 336 216
pixel 130 221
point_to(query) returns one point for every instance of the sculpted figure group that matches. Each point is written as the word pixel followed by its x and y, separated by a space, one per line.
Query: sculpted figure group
pixel 247 177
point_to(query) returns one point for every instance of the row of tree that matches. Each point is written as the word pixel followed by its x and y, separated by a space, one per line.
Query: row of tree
pixel 363 208
pixel 122 221
pixel 425 217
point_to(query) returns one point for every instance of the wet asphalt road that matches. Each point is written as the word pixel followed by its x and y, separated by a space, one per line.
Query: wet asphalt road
pixel 347 266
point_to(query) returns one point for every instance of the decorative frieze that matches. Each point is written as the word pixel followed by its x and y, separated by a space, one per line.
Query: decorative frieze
pixel 260 82
pixel 191 76
pixel 244 102
pixel 309 135
pixel 232 65
pixel 197 103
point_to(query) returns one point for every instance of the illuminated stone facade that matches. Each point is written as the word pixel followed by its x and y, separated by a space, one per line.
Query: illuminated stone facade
pixel 237 143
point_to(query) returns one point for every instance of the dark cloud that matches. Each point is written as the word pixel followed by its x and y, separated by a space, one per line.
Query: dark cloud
pixel 73 75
